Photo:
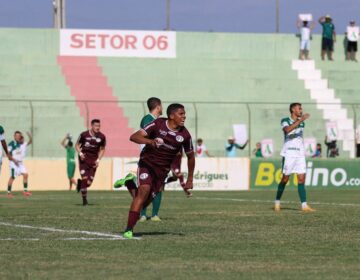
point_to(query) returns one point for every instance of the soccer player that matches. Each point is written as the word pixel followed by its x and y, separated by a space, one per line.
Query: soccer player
pixel 164 139
pixel 70 159
pixel 17 149
pixel 293 153
pixel 4 146
pixel 155 111
pixel 90 147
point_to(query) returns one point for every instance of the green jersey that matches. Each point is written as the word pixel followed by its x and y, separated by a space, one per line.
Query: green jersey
pixel 328 30
pixel 293 141
pixel 146 120
pixel 2 133
pixel 70 154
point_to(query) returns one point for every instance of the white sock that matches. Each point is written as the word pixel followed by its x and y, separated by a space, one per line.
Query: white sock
pixel 277 202
pixel 303 205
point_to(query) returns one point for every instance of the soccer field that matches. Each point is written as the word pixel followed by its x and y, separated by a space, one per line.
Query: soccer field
pixel 213 235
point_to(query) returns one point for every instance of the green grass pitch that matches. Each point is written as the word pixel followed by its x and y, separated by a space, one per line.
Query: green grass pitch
pixel 214 235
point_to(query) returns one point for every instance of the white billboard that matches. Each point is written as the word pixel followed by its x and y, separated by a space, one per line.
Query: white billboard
pixel 117 43
pixel 210 173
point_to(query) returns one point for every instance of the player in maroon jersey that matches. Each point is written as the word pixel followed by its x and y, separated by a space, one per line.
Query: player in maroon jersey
pixel 90 147
pixel 164 139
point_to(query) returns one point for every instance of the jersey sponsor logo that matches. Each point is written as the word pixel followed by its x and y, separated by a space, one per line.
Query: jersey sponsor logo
pixel 169 147
pixel 144 176
pixel 88 138
pixel 179 138
pixel 163 132
pixel 172 133
pixel 87 144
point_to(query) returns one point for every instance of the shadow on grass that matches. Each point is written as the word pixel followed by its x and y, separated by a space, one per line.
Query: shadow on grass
pixel 89 205
pixel 287 209
pixel 157 233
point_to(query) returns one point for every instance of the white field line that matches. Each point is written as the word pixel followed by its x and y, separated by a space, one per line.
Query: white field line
pixel 65 239
pixel 94 233
pixel 272 201
pixel 19 239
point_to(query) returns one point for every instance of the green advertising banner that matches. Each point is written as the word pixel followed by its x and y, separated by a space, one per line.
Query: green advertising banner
pixel 266 173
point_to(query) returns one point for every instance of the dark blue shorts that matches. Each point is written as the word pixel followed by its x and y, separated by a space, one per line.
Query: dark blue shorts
pixel 327 44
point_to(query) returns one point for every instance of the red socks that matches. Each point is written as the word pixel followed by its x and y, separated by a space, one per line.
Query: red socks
pixel 132 220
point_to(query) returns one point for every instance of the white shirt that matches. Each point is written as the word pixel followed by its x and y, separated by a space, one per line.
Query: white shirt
pixel 200 150
pixel 352 33
pixel 19 153
pixel 305 33
pixel 293 141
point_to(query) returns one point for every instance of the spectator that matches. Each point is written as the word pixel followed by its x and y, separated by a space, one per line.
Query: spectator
pixel 332 149
pixel 201 149
pixel 317 151
pixel 231 146
pixel 305 37
pixel 328 37
pixel 352 35
pixel 257 151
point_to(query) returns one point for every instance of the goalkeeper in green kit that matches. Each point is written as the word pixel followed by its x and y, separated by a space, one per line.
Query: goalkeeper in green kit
pixel 70 159
pixel 155 110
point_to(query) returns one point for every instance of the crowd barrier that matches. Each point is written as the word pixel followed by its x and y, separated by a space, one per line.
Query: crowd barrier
pixel 210 174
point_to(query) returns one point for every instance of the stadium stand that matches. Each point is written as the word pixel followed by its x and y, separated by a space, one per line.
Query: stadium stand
pixel 222 79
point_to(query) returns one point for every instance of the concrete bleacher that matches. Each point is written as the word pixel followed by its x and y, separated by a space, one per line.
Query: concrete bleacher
pixel 223 79
pixel 220 73
pixel 29 72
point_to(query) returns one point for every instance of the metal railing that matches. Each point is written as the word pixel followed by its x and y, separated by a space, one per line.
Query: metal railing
pixel 197 124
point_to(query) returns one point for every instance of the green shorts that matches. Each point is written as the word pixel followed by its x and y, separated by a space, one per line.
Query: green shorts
pixel 71 170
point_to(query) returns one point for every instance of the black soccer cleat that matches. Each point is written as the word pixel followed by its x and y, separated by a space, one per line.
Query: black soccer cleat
pixel 85 202
pixel 78 185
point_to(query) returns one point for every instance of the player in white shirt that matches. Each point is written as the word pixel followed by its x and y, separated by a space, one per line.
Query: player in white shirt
pixel 17 149
pixel 293 153
pixel 305 37
pixel 201 149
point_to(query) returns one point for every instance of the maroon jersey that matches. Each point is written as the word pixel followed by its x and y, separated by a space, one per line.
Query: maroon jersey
pixel 91 144
pixel 174 141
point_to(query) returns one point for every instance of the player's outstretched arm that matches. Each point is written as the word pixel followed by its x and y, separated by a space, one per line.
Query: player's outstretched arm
pixel 191 168
pixel 288 129
pixel 63 142
pixel 4 145
pixel 30 138
pixel 140 137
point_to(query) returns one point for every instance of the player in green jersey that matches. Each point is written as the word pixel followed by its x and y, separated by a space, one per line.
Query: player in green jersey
pixel 17 149
pixel 4 146
pixel 293 153
pixel 70 159
pixel 155 110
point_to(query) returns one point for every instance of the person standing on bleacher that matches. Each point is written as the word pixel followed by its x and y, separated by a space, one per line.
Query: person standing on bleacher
pixel 328 37
pixel 305 36
pixel 352 36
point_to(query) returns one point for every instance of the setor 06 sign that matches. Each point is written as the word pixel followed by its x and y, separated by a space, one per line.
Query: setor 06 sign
pixel 117 43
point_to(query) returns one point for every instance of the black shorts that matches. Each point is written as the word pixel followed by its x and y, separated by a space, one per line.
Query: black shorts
pixel 352 46
pixel 327 44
